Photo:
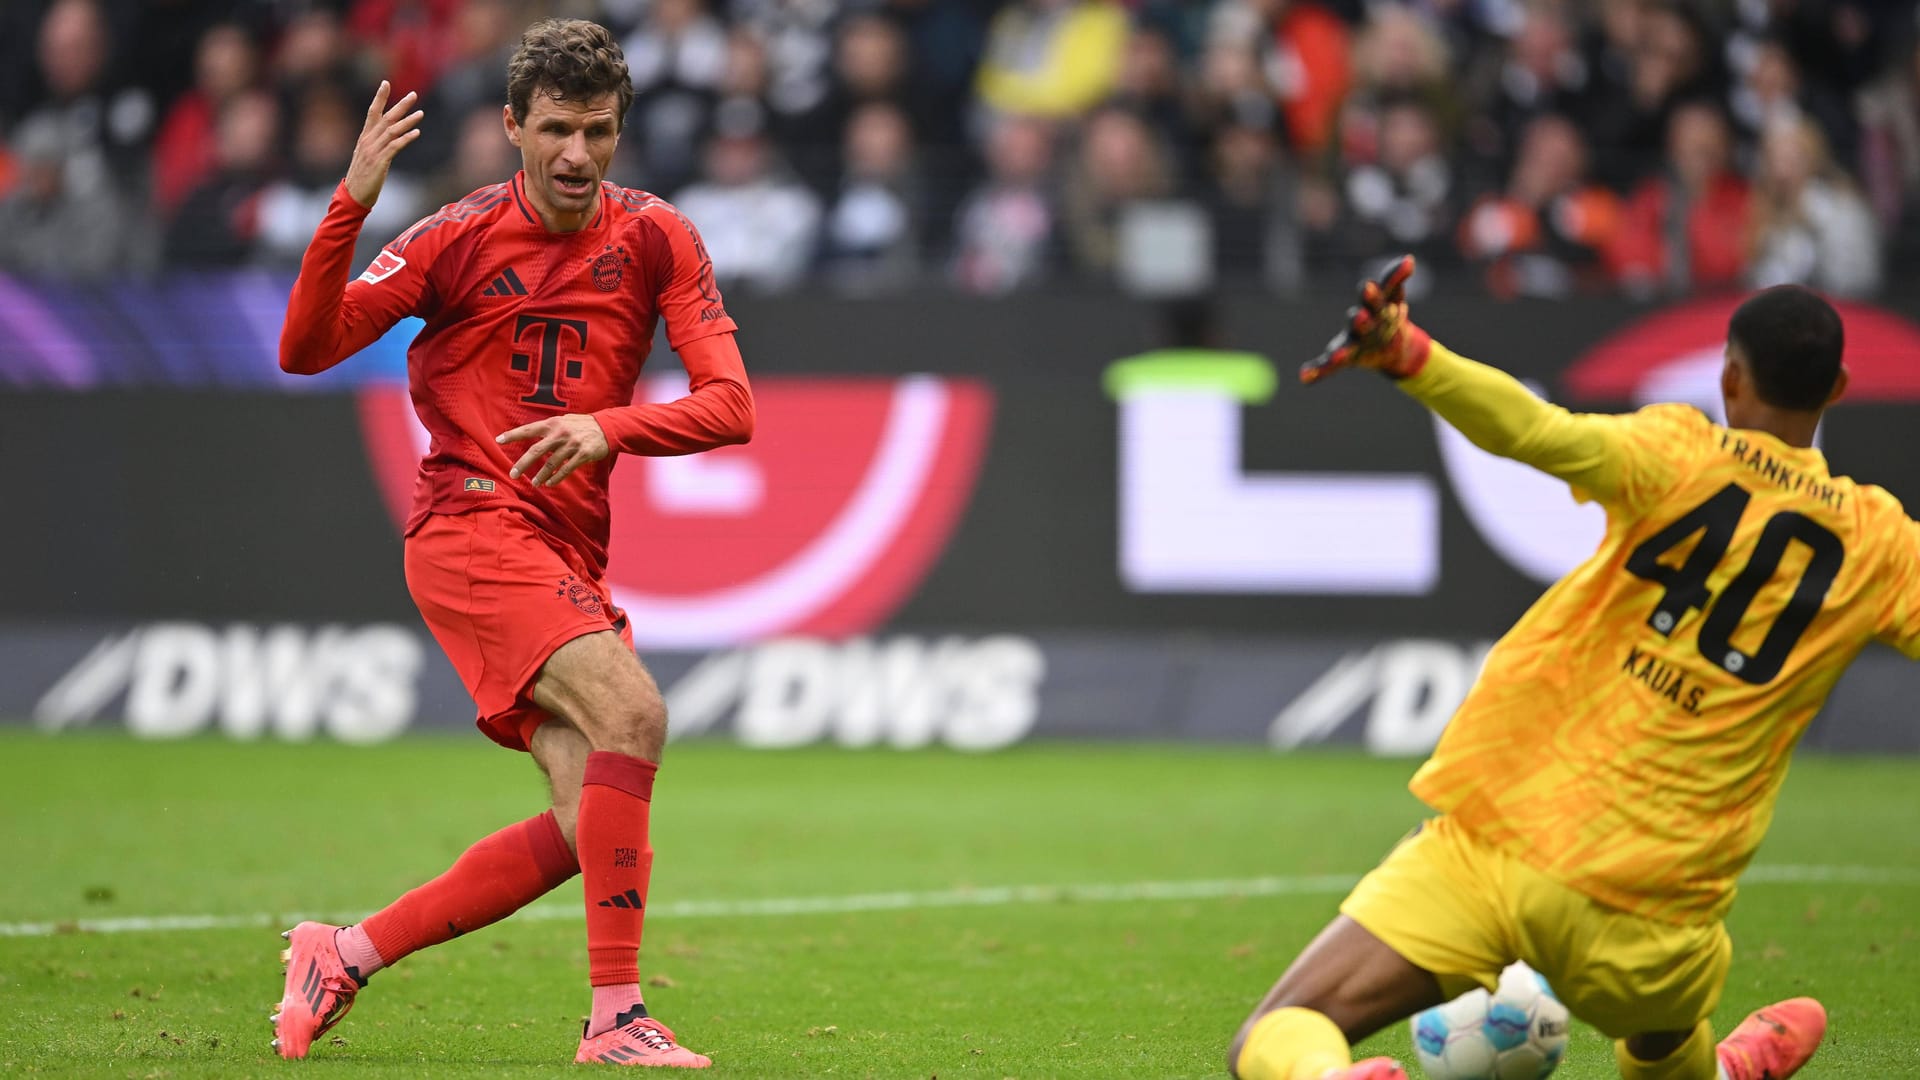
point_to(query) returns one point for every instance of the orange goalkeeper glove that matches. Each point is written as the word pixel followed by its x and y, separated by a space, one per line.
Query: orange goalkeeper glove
pixel 1378 334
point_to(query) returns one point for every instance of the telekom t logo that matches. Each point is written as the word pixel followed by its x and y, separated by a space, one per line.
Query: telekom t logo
pixel 547 373
pixel 1192 519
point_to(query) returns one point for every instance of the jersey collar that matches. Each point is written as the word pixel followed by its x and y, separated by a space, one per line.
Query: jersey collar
pixel 519 188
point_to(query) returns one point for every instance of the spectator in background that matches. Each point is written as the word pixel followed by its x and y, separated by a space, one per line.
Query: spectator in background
pixel 1774 89
pixel 1670 60
pixel 54 224
pixel 1835 39
pixel 678 60
pixel 1686 228
pixel 1538 71
pixel 1250 201
pixel 1608 44
pixel 1810 225
pixel 1400 57
pixel 1052 58
pixel 741 99
pixel 482 157
pixel 1230 88
pixel 1543 235
pixel 798 38
pixel 871 240
pixel 291 207
pixel 104 131
pixel 1150 86
pixel 1119 163
pixel 1399 186
pixel 404 40
pixel 1303 55
pixel 484 35
pixel 1890 144
pixel 313 50
pixel 220 220
pixel 945 39
pixel 869 67
pixel 1004 238
pixel 760 224
pixel 226 65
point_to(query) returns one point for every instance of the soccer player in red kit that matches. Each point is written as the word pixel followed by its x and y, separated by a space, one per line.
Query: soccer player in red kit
pixel 540 297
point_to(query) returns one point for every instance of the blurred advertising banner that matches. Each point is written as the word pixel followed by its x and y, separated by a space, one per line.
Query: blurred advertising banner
pixel 371 682
pixel 932 479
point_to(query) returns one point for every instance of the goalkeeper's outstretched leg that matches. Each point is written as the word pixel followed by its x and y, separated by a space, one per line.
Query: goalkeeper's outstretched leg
pixel 1344 986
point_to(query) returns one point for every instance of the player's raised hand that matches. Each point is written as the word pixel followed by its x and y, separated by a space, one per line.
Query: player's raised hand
pixel 386 133
pixel 566 442
pixel 1378 334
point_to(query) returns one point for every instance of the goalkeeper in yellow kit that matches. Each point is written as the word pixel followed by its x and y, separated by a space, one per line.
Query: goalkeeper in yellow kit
pixel 1616 763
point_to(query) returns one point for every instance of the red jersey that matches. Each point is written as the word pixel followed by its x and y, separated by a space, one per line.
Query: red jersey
pixel 523 324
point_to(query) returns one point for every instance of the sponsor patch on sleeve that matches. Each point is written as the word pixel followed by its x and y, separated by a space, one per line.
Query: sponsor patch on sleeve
pixel 384 266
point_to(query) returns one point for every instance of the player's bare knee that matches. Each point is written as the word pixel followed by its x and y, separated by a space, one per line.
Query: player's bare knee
pixel 625 719
pixel 638 729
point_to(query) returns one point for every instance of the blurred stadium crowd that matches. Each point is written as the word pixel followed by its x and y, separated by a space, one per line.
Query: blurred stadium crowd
pixel 1541 147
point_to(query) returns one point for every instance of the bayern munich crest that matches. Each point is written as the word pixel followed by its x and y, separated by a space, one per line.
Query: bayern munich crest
pixel 609 268
pixel 582 596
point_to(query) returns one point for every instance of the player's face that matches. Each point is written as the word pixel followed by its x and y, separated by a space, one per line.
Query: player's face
pixel 566 148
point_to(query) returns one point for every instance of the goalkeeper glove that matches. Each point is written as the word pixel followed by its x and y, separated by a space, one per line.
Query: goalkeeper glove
pixel 1378 334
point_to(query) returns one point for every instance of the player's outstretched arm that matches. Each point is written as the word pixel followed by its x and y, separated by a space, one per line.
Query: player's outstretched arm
pixel 1491 408
pixel 325 323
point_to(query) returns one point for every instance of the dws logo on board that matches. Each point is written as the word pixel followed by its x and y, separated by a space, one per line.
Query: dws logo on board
pixel 823 525
pixel 1193 520
pixel 904 692
pixel 1409 690
pixel 356 684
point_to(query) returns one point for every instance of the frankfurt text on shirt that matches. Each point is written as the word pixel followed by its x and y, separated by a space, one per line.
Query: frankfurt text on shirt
pixel 1756 458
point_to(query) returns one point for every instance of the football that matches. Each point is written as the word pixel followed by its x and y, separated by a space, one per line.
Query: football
pixel 1518 1032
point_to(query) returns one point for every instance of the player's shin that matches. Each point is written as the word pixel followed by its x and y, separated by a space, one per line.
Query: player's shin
pixel 1292 1044
pixel 494 878
pixel 616 860
pixel 1692 1060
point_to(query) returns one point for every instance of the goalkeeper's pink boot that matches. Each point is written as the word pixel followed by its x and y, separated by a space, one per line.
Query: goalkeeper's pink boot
pixel 319 990
pixel 1377 1068
pixel 638 1039
pixel 1774 1042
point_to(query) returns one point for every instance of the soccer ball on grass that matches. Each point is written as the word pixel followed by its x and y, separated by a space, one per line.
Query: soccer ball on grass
pixel 1518 1032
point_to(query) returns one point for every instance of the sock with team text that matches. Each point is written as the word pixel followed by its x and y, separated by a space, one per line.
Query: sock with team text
pixel 616 859
pixel 1292 1044
pixel 1694 1060
pixel 488 882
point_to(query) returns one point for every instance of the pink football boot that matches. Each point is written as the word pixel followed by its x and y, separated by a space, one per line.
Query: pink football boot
pixel 1774 1042
pixel 319 989
pixel 638 1040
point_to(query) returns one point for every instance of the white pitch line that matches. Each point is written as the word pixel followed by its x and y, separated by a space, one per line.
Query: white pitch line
pixel 987 896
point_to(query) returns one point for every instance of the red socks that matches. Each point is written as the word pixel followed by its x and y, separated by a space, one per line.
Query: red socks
pixel 488 882
pixel 615 860
pixel 520 863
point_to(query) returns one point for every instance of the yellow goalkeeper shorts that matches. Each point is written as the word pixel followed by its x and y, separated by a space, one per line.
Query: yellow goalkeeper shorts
pixel 1464 910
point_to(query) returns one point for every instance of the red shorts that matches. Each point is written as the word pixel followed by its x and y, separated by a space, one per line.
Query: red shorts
pixel 500 597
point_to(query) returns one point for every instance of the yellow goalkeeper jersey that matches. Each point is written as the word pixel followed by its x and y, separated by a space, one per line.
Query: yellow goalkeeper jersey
pixel 1630 734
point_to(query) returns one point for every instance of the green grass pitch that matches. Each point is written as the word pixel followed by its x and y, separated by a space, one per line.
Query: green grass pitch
pixel 938 972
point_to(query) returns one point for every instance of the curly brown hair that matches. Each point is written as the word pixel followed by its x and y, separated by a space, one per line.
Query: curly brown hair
pixel 568 60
